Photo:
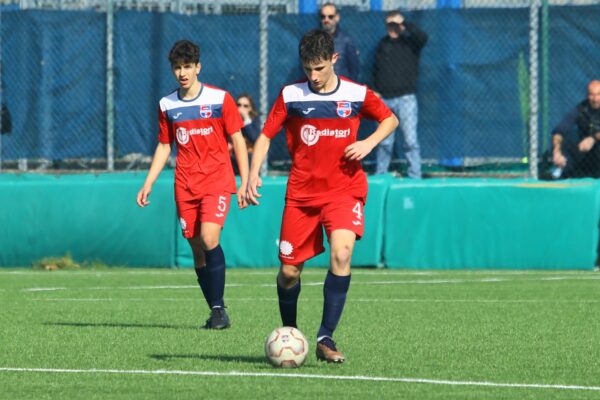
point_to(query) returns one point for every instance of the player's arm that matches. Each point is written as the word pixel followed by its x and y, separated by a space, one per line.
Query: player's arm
pixel 360 149
pixel 241 157
pixel 161 155
pixel 261 148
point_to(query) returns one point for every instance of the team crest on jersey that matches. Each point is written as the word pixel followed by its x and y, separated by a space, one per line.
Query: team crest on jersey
pixel 205 111
pixel 344 108
pixel 182 135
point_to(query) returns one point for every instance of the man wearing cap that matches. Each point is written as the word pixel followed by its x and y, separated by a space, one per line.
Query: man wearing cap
pixel 395 79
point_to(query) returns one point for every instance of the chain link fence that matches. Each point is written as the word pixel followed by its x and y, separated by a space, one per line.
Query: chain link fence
pixel 81 79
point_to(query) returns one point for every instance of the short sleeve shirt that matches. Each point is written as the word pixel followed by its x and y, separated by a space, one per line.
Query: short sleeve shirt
pixel 200 127
pixel 319 127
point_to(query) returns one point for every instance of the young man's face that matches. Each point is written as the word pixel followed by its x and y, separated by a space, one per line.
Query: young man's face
pixel 320 73
pixel 186 73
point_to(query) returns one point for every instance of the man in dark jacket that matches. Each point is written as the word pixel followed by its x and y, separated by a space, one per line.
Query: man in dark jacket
pixel 395 78
pixel 575 148
pixel 348 64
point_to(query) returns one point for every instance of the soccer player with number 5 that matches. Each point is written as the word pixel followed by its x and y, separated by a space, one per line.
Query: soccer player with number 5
pixel 199 117
pixel 327 187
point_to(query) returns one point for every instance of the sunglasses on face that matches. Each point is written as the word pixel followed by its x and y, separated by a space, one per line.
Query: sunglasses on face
pixel 323 16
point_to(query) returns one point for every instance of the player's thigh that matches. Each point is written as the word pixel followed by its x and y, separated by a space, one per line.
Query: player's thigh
pixel 189 217
pixel 301 235
pixel 347 213
pixel 213 212
pixel 214 208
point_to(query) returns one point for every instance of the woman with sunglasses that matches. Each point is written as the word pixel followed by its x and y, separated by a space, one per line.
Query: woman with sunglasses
pixel 247 110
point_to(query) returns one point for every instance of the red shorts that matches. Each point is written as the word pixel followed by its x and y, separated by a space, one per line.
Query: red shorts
pixel 209 208
pixel 302 227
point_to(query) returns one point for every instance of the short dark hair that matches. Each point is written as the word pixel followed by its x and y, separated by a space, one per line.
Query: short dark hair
pixel 392 13
pixel 329 4
pixel 316 45
pixel 185 52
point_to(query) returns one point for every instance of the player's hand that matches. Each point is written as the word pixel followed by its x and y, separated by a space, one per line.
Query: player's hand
pixel 241 198
pixel 559 159
pixel 252 194
pixel 586 144
pixel 358 150
pixel 142 196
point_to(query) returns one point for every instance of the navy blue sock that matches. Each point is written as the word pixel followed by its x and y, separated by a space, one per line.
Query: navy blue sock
pixel 288 304
pixel 215 271
pixel 334 298
pixel 202 274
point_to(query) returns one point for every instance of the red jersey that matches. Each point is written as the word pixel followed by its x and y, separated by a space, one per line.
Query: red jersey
pixel 319 126
pixel 199 127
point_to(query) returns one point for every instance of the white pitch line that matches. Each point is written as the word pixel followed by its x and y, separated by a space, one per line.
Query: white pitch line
pixel 320 299
pixel 387 282
pixel 304 376
pixel 46 289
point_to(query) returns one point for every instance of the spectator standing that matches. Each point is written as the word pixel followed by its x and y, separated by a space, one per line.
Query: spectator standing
pixel 395 76
pixel 575 148
pixel 348 63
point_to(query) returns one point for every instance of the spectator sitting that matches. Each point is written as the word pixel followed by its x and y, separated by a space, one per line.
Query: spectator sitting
pixel 575 148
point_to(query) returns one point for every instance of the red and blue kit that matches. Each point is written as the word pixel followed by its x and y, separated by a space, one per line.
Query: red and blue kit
pixel 319 127
pixel 200 127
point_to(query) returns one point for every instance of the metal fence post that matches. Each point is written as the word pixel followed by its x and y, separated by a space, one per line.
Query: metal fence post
pixel 533 87
pixel 263 70
pixel 110 116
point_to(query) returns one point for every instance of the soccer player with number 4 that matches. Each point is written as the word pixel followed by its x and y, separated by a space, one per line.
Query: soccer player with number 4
pixel 327 187
pixel 199 117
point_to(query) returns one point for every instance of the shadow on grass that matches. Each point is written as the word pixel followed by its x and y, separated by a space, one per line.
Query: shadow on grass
pixel 207 357
pixel 118 325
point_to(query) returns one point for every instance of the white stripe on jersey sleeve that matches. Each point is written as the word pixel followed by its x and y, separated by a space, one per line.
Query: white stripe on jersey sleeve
pixel 348 91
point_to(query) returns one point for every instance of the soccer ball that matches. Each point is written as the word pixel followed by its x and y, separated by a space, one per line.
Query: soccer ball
pixel 286 347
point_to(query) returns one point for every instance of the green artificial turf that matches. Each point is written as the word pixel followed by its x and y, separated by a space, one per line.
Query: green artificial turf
pixel 133 334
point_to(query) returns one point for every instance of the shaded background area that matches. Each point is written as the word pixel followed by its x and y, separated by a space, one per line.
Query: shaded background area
pixel 473 90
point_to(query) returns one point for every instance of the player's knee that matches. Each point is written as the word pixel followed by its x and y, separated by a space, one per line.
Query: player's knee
pixel 289 275
pixel 209 242
pixel 341 257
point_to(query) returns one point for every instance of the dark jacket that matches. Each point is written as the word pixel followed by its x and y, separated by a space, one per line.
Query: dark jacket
pixel 582 121
pixel 584 118
pixel 397 62
pixel 348 64
pixel 251 131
